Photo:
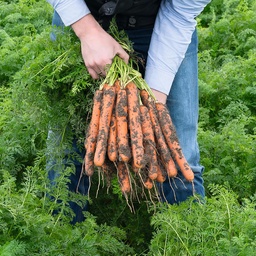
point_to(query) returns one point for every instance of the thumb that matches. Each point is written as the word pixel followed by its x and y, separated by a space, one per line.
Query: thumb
pixel 123 55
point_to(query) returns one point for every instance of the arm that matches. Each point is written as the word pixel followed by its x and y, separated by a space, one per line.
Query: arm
pixel 70 11
pixel 172 34
pixel 97 46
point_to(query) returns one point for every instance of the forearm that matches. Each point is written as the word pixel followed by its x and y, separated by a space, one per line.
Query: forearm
pixel 85 26
pixel 172 34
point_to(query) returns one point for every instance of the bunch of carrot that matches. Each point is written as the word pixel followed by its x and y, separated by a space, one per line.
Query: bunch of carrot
pixel 132 134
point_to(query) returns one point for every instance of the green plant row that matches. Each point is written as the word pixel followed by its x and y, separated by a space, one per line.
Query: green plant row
pixel 44 84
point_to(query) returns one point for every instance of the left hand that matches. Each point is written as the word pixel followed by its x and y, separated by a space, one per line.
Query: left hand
pixel 160 96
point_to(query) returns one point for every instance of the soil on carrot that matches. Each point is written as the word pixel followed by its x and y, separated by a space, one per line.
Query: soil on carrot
pixel 124 150
pixel 165 117
pixel 120 108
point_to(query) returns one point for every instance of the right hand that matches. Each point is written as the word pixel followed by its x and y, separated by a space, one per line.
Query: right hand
pixel 97 46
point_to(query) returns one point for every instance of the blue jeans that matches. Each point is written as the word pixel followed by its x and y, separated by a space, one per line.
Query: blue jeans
pixel 182 103
pixel 58 160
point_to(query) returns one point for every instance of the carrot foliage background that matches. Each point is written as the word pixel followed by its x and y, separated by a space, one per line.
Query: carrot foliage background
pixel 44 83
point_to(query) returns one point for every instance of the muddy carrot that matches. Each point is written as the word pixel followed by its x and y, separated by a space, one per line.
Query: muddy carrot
pixel 93 128
pixel 136 135
pixel 123 177
pixel 170 135
pixel 135 168
pixel 105 118
pixel 112 139
pixel 124 151
pixel 161 144
pixel 148 183
pixel 161 173
pixel 92 133
pixel 144 97
pixel 149 142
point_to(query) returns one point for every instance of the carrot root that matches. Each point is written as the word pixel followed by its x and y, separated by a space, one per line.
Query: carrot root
pixel 171 138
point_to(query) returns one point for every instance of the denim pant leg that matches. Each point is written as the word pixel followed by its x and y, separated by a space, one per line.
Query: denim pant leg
pixel 54 167
pixel 183 104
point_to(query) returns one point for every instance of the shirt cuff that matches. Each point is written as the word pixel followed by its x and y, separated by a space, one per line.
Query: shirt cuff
pixel 159 80
pixel 71 11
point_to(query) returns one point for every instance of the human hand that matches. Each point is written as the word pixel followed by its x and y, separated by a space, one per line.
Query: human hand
pixel 97 46
pixel 160 96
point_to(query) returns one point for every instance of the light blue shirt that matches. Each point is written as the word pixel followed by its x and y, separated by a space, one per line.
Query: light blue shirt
pixel 172 34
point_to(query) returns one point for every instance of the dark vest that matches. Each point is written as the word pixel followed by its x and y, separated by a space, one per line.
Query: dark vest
pixel 129 14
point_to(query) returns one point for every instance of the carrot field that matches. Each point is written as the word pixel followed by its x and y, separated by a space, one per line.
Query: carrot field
pixel 44 84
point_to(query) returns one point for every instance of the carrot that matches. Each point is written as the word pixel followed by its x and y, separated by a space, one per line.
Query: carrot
pixel 123 177
pixel 135 168
pixel 112 140
pixel 108 168
pixel 148 183
pixel 93 128
pixel 117 85
pixel 161 174
pixel 144 97
pixel 92 133
pixel 89 163
pixel 124 151
pixel 149 142
pixel 161 144
pixel 170 135
pixel 136 135
pixel 105 118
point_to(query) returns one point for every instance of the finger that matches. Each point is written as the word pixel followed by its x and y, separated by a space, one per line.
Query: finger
pixel 93 73
pixel 123 55
pixel 101 71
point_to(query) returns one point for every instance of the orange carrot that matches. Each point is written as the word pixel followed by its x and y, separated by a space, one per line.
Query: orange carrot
pixel 93 128
pixel 108 168
pixel 144 97
pixel 89 164
pixel 148 183
pixel 161 144
pixel 105 118
pixel 149 142
pixel 124 151
pixel 112 143
pixel 161 173
pixel 136 135
pixel 170 135
pixel 117 85
pixel 92 133
pixel 135 168
pixel 123 177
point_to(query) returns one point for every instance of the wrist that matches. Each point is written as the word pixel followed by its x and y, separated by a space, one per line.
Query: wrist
pixel 160 96
pixel 85 25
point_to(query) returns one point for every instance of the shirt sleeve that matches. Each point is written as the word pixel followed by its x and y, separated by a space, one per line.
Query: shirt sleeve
pixel 174 26
pixel 70 11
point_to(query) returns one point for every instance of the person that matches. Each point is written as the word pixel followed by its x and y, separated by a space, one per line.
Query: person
pixel 164 33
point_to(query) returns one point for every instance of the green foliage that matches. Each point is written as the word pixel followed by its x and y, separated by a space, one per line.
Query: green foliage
pixel 221 226
pixel 117 213
pixel 230 30
pixel 20 23
pixel 227 57
pixel 234 81
pixel 48 85
pixel 229 156
pixel 28 225
pixel 44 84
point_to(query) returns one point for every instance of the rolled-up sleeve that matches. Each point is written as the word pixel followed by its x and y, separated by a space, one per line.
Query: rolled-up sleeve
pixel 70 11
pixel 171 37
